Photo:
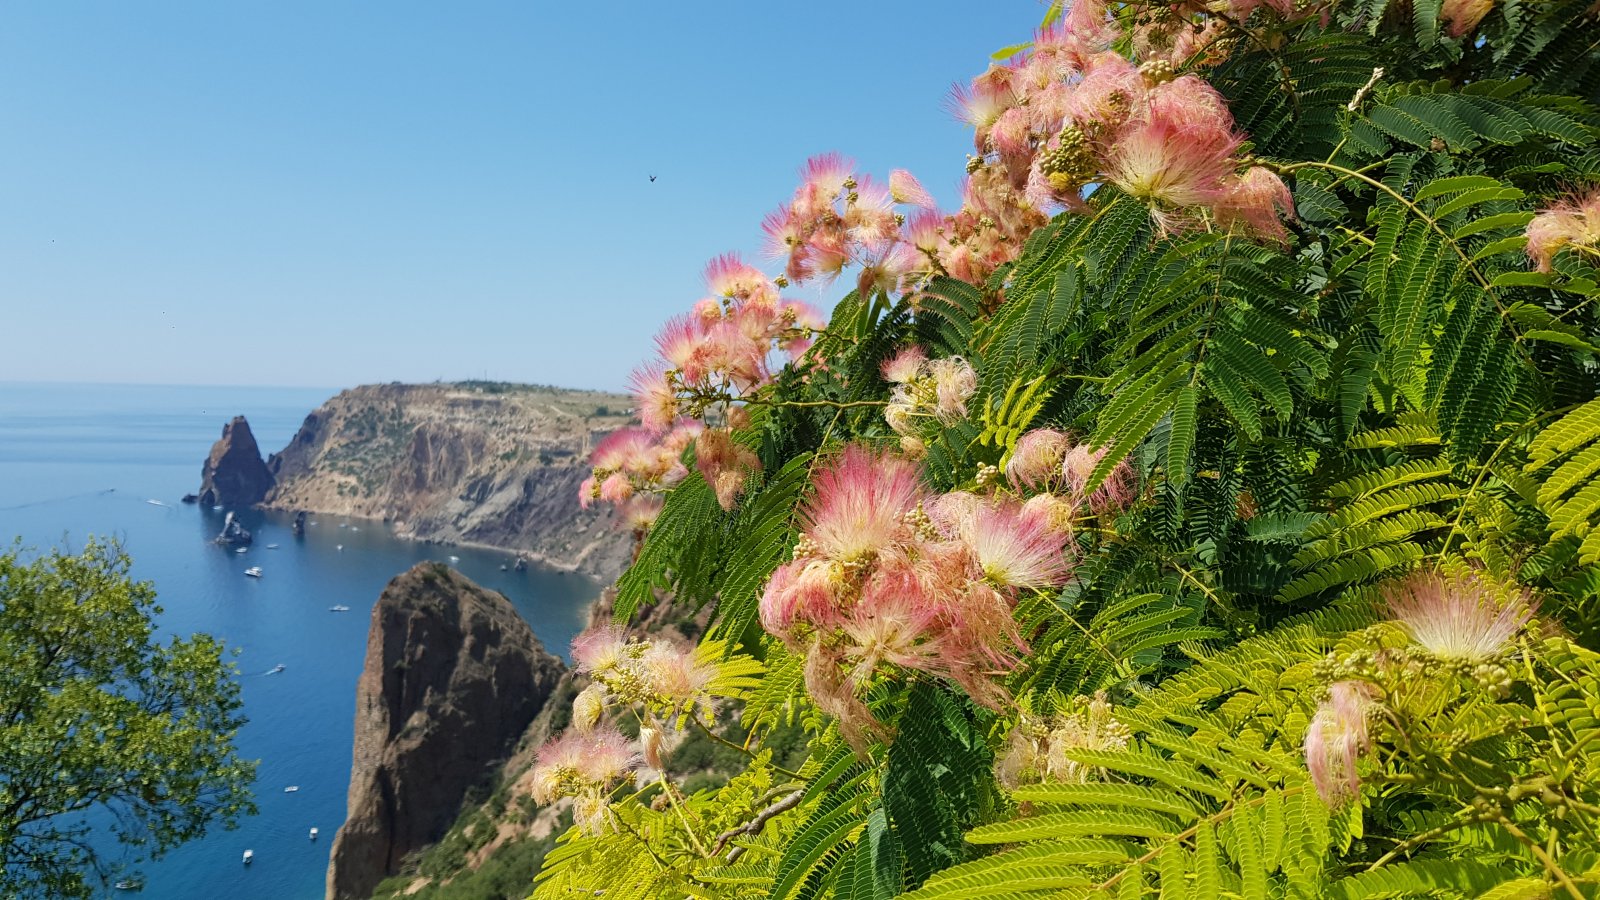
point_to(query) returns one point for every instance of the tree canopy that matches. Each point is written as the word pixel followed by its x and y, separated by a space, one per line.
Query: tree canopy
pixel 109 735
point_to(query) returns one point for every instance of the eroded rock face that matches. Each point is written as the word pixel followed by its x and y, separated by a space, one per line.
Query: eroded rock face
pixel 234 474
pixel 453 677
pixel 496 466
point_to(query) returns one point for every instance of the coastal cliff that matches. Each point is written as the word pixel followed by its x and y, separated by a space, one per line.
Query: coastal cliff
pixel 233 474
pixel 453 678
pixel 479 463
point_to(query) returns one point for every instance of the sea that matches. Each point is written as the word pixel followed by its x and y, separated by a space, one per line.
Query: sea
pixel 80 460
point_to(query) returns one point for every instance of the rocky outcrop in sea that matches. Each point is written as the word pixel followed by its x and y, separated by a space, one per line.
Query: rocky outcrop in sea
pixel 234 474
pixel 453 677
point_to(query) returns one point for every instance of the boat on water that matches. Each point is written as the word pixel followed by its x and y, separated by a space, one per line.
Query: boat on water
pixel 276 669
pixel 339 547
pixel 355 527
pixel 248 856
pixel 253 571
pixel 155 503
pixel 313 832
pixel 129 884
pixel 272 546
pixel 339 608
pixel 454 560
pixel 291 788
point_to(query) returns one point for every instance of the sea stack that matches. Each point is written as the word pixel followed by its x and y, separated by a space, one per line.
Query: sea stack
pixel 453 677
pixel 234 474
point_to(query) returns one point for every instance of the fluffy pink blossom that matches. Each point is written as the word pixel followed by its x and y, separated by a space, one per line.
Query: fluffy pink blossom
pixel 655 398
pixel 1459 614
pixel 1179 153
pixel 954 382
pixel 729 276
pixel 1036 460
pixel 675 674
pixel 905 365
pixel 802 591
pixel 725 464
pixel 892 622
pixel 1462 16
pixel 1336 740
pixel 599 649
pixel 905 188
pixel 578 762
pixel 1573 222
pixel 1253 202
pixel 641 511
pixel 860 504
pixel 1015 550
pixel 1114 493
pixel 825 174
pixel 616 488
pixel 678 339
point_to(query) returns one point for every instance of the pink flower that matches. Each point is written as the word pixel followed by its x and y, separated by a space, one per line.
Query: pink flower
pixel 616 488
pixel 802 591
pixel 729 276
pixel 1015 550
pixel 905 365
pixel 1114 493
pixel 835 695
pixel 905 188
pixel 954 381
pixel 1252 202
pixel 599 649
pixel 679 338
pixel 860 504
pixel 1572 222
pixel 675 674
pixel 1336 740
pixel 1462 16
pixel 1181 151
pixel 579 762
pixel 825 174
pixel 893 623
pixel 641 511
pixel 655 397
pixel 607 756
pixel 1459 614
pixel 619 448
pixel 725 464
pixel 1036 459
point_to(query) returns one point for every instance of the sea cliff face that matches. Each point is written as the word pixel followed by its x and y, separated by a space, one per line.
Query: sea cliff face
pixel 453 677
pixel 489 464
pixel 233 474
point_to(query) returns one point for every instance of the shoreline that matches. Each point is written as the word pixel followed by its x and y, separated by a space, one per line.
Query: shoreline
pixel 533 557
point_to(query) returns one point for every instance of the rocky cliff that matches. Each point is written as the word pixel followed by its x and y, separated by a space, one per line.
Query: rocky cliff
pixel 234 475
pixel 453 678
pixel 482 463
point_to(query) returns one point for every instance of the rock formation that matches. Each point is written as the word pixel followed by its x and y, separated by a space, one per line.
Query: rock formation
pixel 490 464
pixel 233 534
pixel 234 474
pixel 452 679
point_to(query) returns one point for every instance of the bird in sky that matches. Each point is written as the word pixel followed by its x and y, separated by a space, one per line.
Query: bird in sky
pixel 652 178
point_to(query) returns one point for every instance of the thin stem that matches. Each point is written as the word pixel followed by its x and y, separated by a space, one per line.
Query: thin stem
pixel 1545 859
pixel 832 404
pixel 672 800
pixel 732 746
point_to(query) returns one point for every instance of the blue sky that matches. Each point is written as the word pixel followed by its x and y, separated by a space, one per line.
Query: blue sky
pixel 331 193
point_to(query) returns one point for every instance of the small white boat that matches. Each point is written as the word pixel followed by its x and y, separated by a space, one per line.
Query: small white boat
pixel 312 522
pixel 240 549
pixel 339 608
pixel 152 503
pixel 343 525
pixel 272 546
pixel 129 884
pixel 339 547
pixel 454 560
pixel 276 669
pixel 253 571
pixel 355 528
pixel 291 788
pixel 249 855
pixel 313 832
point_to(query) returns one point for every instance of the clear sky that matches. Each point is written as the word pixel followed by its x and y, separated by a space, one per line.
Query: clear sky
pixel 330 193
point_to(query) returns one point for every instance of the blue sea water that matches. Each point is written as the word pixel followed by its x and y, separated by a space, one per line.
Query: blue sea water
pixel 81 460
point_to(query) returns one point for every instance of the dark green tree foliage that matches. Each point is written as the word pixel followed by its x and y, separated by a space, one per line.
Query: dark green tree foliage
pixel 108 734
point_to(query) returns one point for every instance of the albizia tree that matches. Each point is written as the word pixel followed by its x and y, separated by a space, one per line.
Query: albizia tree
pixel 1209 506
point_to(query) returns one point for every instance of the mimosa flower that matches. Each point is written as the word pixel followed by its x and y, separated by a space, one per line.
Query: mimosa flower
pixel 587 707
pixel 905 365
pixel 1336 740
pixel 679 338
pixel 616 488
pixel 674 674
pixel 1052 511
pixel 826 174
pixel 1459 615
pixel 725 464
pixel 1253 203
pixel 655 398
pixel 1036 459
pixel 802 591
pixel 860 504
pixel 1572 222
pixel 1114 493
pixel 1015 550
pixel 641 511
pixel 905 188
pixel 606 756
pixel 954 381
pixel 650 743
pixel 599 650
pixel 728 276
pixel 1462 16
